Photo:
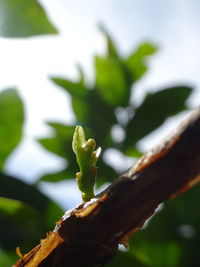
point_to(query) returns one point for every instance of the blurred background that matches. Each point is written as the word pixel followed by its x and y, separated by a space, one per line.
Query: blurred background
pixel 128 71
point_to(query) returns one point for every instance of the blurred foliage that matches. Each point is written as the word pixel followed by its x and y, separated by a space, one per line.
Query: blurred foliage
pixel 172 236
pixel 100 105
pixel 11 123
pixel 23 19
pixel 25 213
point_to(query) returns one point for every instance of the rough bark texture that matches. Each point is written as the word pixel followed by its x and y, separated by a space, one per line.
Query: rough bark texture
pixel 89 234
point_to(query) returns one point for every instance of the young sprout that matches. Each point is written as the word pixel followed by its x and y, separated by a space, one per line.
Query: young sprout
pixel 86 157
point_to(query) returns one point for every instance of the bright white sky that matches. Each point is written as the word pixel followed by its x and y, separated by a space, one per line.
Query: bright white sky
pixel 27 63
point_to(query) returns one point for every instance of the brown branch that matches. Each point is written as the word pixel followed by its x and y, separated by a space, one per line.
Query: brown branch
pixel 90 233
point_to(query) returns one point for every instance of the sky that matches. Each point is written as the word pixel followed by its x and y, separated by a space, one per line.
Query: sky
pixel 27 64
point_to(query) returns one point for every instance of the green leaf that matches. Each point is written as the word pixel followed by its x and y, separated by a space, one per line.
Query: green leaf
pixel 23 18
pixel 81 75
pixel 105 173
pixel 134 152
pixel 111 47
pixel 16 220
pixel 74 88
pixel 137 61
pixel 10 206
pixel 79 94
pixel 157 254
pixel 164 228
pixel 86 104
pixel 155 109
pixel 81 109
pixel 60 143
pixel 8 258
pixel 54 177
pixel 11 123
pixel 100 125
pixel 52 214
pixel 64 131
pixel 124 259
pixel 24 207
pixel 111 81
pixel 54 145
pixel 13 188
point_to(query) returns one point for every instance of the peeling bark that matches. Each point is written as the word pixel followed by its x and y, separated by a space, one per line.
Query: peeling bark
pixel 89 234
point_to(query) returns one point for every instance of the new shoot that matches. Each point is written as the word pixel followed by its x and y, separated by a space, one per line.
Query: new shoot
pixel 86 156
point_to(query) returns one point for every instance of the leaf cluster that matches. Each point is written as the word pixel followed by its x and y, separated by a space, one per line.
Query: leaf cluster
pixel 106 105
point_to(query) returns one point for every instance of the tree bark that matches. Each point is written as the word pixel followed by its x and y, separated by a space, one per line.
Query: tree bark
pixel 89 234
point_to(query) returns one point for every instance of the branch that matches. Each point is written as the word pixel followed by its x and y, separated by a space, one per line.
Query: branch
pixel 90 233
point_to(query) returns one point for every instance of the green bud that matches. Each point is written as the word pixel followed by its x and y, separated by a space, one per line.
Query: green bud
pixel 86 157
